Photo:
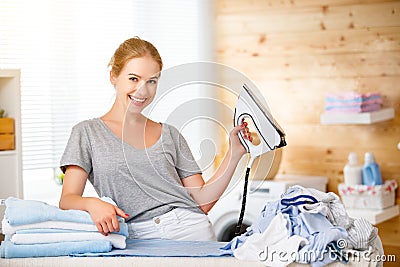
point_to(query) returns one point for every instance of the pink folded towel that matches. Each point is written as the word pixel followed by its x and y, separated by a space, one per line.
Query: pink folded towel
pixel 353 97
pixel 354 108
pixel 352 102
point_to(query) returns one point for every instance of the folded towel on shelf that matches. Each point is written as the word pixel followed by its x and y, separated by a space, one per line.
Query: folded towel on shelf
pixel 352 102
pixel 11 250
pixel 353 97
pixel 354 108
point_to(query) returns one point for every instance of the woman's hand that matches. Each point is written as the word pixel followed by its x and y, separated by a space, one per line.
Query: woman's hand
pixel 104 215
pixel 207 194
pixel 234 140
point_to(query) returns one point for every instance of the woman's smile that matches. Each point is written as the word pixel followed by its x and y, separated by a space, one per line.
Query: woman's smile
pixel 138 101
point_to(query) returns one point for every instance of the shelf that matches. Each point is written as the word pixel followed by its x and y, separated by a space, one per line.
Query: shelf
pixel 8 73
pixel 374 216
pixel 7 152
pixel 357 118
pixel 11 183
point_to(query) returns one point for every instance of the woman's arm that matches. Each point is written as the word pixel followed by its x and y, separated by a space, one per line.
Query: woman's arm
pixel 103 214
pixel 207 194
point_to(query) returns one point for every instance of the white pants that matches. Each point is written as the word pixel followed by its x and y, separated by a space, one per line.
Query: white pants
pixel 177 224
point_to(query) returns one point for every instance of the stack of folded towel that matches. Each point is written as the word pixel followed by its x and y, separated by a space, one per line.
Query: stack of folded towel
pixel 352 102
pixel 36 229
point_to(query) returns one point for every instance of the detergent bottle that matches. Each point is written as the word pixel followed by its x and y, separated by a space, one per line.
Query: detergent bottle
pixel 352 171
pixel 371 174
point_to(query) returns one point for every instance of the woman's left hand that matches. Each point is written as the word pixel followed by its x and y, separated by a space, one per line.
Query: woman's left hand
pixel 234 141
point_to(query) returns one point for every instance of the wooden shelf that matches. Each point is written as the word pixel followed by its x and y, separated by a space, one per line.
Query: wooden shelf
pixel 358 118
pixel 8 73
pixel 11 160
pixel 8 152
pixel 374 216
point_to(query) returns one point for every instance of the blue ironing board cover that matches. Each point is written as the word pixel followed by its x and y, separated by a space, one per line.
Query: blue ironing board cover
pixel 165 248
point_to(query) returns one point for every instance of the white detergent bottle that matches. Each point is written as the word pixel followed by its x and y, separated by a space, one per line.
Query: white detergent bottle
pixel 371 171
pixel 352 170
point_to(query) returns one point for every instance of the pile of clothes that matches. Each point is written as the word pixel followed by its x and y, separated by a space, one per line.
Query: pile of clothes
pixel 305 226
pixel 352 102
pixel 36 229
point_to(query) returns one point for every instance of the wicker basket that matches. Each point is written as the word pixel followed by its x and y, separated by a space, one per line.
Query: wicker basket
pixel 368 197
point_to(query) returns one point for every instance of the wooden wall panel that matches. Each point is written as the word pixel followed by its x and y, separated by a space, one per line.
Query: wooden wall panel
pixel 298 51
pixel 308 66
pixel 375 39
pixel 309 18
pixel 237 6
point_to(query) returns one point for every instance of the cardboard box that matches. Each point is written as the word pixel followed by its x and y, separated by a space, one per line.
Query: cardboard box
pixel 7 136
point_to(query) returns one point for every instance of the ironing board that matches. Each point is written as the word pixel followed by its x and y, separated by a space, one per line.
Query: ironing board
pixel 149 261
pixel 154 253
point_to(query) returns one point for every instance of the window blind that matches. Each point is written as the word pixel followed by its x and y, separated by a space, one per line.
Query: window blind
pixel 63 49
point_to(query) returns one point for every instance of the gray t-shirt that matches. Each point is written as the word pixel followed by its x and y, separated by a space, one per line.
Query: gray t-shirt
pixel 143 182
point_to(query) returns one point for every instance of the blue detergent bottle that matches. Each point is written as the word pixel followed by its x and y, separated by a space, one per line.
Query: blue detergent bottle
pixel 371 174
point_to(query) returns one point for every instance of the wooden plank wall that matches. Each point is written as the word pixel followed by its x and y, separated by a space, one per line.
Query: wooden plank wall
pixel 297 51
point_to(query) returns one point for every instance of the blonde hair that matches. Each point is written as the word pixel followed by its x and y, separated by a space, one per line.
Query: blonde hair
pixel 132 48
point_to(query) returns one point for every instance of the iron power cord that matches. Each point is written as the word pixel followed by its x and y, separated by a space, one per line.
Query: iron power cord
pixel 240 221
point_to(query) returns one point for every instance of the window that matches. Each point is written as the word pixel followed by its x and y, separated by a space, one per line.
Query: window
pixel 63 49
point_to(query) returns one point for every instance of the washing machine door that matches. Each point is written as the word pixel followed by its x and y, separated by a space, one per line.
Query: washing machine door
pixel 225 225
pixel 225 213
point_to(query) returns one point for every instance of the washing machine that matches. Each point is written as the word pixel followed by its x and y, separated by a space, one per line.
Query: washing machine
pixel 225 214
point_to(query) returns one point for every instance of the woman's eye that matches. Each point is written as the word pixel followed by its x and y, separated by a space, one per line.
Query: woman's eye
pixel 152 81
pixel 133 79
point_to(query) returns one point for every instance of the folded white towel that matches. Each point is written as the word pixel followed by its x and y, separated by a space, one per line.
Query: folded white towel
pixel 8 229
pixel 12 229
pixel 117 241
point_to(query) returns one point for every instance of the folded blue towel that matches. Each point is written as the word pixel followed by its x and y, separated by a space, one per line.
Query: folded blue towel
pixel 10 250
pixel 165 248
pixel 123 230
pixel 19 212
pixel 58 225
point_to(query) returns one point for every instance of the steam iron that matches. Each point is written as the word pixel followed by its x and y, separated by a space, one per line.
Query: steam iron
pixel 268 130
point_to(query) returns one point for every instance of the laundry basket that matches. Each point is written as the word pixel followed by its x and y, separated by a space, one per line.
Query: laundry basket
pixel 368 197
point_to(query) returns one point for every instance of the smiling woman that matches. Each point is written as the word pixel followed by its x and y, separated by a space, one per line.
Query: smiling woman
pixel 135 81
pixel 145 166
pixel 62 50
